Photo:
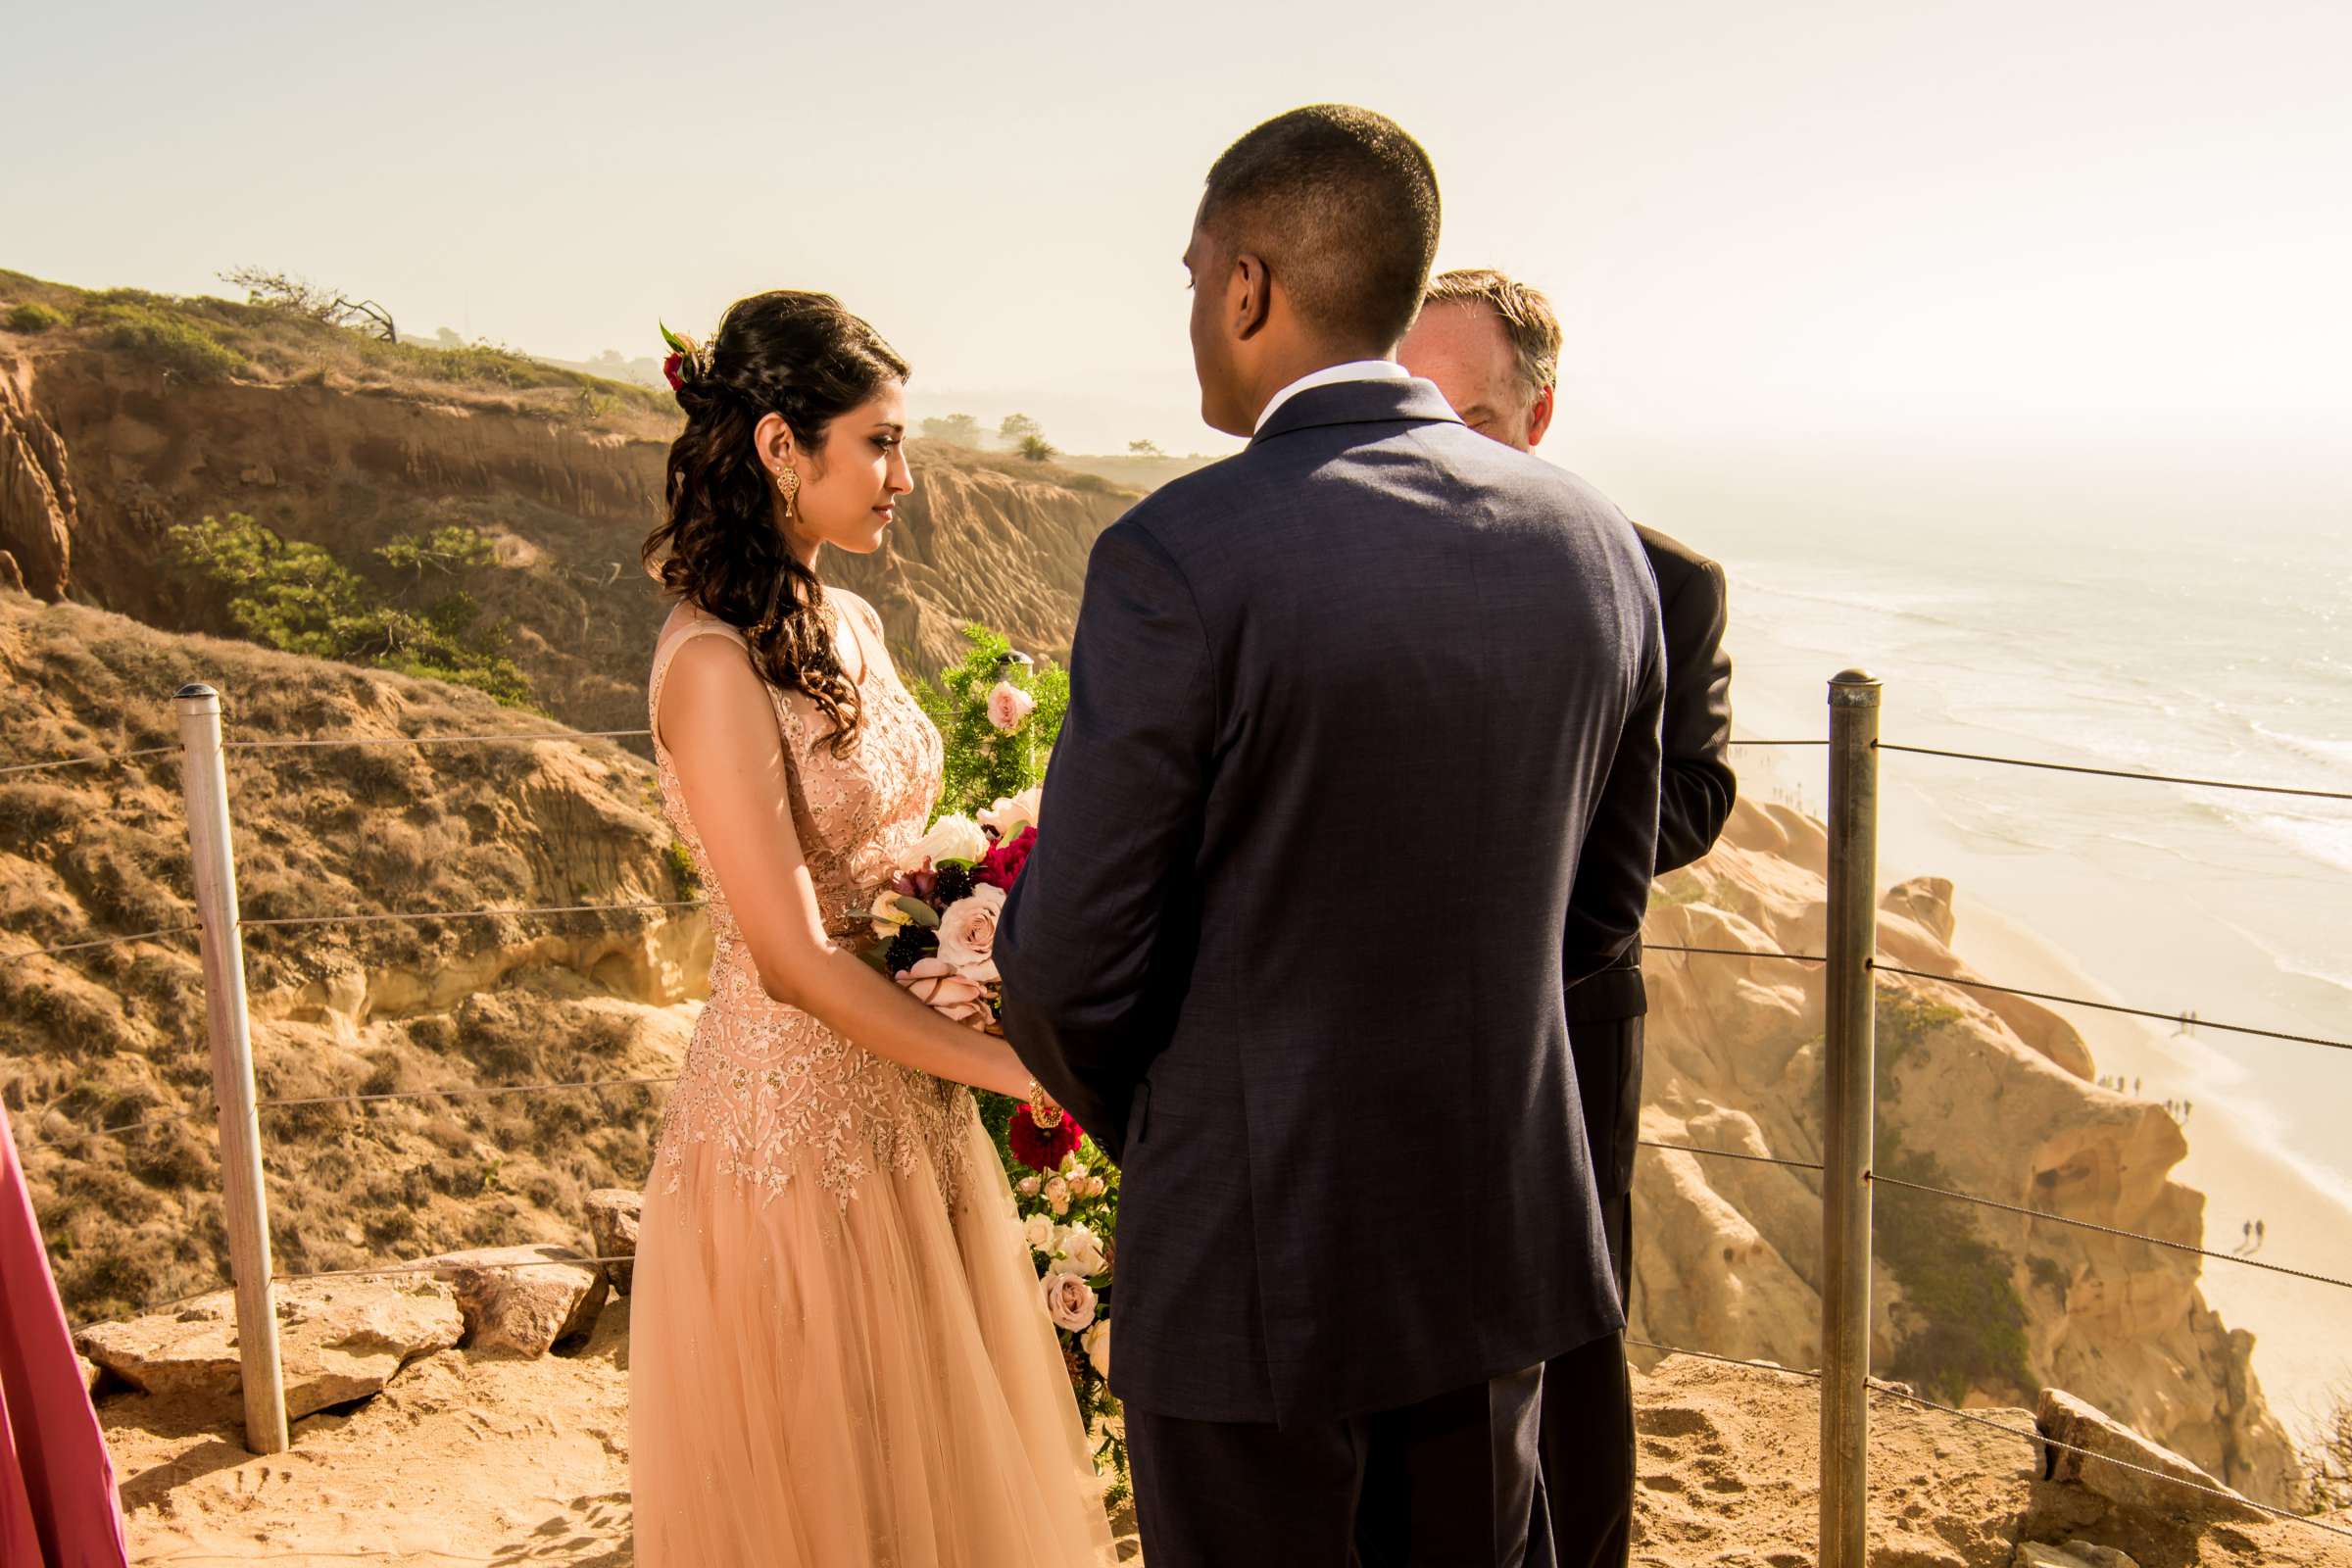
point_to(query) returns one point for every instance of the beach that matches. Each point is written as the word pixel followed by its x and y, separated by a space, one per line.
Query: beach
pixel 2163 896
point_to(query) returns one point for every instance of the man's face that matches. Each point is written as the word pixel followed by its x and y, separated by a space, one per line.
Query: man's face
pixel 1213 280
pixel 1460 345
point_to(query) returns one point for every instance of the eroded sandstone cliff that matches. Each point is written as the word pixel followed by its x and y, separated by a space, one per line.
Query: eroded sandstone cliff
pixel 1993 1097
pixel 102 450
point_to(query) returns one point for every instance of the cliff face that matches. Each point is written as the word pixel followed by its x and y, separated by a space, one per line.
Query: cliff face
pixel 1988 1097
pixel 101 451
pixel 38 515
pixel 982 540
pixel 117 1034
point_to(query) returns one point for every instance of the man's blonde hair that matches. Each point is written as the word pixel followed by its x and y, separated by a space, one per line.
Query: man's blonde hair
pixel 1527 318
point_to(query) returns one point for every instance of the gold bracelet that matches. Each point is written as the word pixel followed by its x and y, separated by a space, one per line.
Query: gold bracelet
pixel 1046 1116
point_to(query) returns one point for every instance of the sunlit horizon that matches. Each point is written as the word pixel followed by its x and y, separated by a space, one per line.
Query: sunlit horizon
pixel 1854 225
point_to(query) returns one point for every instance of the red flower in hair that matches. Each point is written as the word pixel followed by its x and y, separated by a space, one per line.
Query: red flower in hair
pixel 1041 1148
pixel 1003 865
pixel 669 370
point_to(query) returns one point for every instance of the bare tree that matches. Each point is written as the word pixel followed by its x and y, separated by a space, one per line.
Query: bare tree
pixel 283 291
pixel 1145 449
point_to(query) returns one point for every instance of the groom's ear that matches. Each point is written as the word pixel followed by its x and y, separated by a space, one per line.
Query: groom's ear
pixel 1251 295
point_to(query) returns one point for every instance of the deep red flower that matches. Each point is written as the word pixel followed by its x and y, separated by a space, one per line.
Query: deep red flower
pixel 669 370
pixel 1041 1148
pixel 1003 865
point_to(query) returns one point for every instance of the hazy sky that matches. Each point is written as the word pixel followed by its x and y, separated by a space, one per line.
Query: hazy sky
pixel 1856 220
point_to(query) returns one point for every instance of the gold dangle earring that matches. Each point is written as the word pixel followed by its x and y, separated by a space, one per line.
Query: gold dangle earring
pixel 788 485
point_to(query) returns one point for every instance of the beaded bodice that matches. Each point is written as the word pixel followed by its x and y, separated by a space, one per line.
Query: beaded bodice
pixel 773 1090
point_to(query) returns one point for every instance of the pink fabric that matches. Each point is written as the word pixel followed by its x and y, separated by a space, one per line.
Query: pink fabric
pixel 58 1506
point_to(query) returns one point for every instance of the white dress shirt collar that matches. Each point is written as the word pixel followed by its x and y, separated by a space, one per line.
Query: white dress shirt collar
pixel 1332 374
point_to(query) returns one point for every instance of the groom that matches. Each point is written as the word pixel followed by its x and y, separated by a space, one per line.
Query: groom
pixel 1361 760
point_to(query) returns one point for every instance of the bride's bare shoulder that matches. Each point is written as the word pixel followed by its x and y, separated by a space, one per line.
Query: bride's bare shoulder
pixel 687 618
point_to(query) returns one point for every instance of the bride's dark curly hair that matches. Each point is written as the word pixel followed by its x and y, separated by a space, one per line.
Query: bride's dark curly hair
pixel 803 357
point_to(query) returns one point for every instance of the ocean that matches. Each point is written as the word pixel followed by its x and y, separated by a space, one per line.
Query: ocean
pixel 2150 641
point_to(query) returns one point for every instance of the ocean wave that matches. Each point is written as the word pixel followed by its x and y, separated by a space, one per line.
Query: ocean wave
pixel 2289 964
pixel 2336 752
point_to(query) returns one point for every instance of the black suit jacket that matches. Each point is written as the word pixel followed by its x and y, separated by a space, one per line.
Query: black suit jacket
pixel 1697 788
pixel 1361 760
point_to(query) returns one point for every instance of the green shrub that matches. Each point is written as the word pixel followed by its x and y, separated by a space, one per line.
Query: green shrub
pixel 983 766
pixel 296 598
pixel 32 317
pixel 1962 1320
pixel 165 337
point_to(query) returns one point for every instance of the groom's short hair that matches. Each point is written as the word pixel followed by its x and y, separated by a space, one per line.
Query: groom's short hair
pixel 1342 206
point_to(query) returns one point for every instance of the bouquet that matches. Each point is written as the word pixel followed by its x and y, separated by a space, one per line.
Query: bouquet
pixel 936 929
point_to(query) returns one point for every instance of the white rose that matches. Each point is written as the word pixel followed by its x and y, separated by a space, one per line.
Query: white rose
pixel 1084 1249
pixel 1028 1185
pixel 1013 813
pixel 953 837
pixel 1072 1166
pixel 1038 1232
pixel 1097 1346
pixel 1058 1196
pixel 1069 1301
pixel 968 934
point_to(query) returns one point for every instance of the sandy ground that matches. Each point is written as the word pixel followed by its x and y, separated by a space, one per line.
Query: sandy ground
pixel 471 1461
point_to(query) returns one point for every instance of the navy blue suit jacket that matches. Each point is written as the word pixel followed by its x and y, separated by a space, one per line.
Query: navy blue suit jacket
pixel 1361 765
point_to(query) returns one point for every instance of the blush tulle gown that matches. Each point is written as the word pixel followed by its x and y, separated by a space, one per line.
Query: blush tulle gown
pixel 839 1353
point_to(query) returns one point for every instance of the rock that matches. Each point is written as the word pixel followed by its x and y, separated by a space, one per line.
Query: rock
pixel 2064 1418
pixel 2034 1554
pixel 337 1340
pixel 2073 1554
pixel 523 1310
pixel 38 516
pixel 1927 899
pixel 2098 1556
pixel 90 1372
pixel 613 1230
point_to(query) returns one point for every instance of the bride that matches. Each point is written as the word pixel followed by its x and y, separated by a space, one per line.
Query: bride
pixel 838 1352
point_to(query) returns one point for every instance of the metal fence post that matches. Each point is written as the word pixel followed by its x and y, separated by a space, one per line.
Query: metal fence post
pixel 205 782
pixel 1848 1111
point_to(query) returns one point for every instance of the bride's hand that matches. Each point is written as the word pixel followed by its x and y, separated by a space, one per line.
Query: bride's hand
pixel 963 1001
pixel 940 988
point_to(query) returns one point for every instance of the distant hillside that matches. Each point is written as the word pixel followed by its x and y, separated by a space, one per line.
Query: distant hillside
pixel 124 412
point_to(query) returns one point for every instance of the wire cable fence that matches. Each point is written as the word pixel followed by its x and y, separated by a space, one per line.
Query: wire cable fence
pixel 230 922
pixel 315 742
pixel 158 934
pixel 1881 1179
pixel 101 759
pixel 382 916
pixel 1735 953
pixel 2186 1019
pixel 1730 1153
pixel 2116 772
